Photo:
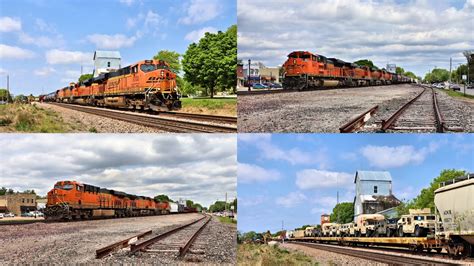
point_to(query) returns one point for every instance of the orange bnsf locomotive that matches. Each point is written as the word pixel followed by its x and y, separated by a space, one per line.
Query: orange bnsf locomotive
pixel 305 70
pixel 70 200
pixel 147 84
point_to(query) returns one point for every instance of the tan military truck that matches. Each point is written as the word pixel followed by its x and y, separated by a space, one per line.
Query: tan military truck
pixel 346 230
pixel 308 231
pixel 327 229
pixel 370 225
pixel 418 223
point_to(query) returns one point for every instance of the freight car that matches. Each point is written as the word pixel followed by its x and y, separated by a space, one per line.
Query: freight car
pixel 454 202
pixel 147 84
pixel 305 70
pixel 70 200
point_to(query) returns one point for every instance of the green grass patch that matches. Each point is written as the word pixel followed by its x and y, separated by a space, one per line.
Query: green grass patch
pixel 30 118
pixel 458 94
pixel 220 106
pixel 255 254
pixel 227 220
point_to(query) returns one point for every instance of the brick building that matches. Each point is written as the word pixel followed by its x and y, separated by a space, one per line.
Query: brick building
pixel 18 203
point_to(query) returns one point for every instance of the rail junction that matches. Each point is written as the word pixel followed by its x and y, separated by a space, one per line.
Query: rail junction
pixel 183 238
pixel 422 113
pixel 170 121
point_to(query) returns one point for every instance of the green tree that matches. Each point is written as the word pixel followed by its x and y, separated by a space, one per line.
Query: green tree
pixel 212 63
pixel 32 191
pixel 84 77
pixel 5 95
pixel 343 212
pixel 410 75
pixel 3 191
pixel 399 70
pixel 170 57
pixel 20 98
pixel 437 75
pixel 365 62
pixel 426 197
pixel 219 206
pixel 234 204
pixel 163 198
pixel 189 203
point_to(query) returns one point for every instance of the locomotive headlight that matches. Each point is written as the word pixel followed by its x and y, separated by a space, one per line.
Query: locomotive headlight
pixel 162 73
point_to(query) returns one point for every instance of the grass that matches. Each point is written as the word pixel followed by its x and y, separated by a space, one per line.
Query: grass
pixel 255 254
pixel 227 220
pixel 221 106
pixel 458 94
pixel 30 118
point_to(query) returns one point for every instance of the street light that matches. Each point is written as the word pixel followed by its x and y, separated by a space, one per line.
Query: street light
pixel 248 78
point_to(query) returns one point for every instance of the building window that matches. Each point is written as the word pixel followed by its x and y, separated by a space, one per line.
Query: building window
pixel 108 64
pixel 375 189
pixel 22 200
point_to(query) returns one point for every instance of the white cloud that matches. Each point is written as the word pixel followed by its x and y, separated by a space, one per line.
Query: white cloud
pixel 291 200
pixel 314 178
pixel 196 35
pixel 250 173
pixel 391 157
pixel 8 24
pixel 14 52
pixel 117 41
pixel 42 25
pixel 198 11
pixel 45 71
pixel 407 33
pixel 127 2
pixel 251 201
pixel 269 151
pixel 3 71
pixel 201 168
pixel 41 41
pixel 56 56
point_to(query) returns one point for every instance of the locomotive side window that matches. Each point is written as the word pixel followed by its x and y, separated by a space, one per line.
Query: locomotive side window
pixel 78 188
pixel 375 189
pixel 108 64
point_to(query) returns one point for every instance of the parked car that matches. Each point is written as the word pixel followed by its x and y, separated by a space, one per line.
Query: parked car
pixel 36 213
pixel 259 86
pixel 454 87
pixel 9 215
pixel 470 86
pixel 26 214
pixel 1 215
pixel 275 85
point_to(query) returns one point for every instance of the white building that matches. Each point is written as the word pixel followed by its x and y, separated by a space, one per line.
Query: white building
pixel 106 61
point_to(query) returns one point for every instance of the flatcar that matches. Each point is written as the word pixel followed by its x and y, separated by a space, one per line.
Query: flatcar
pixel 305 70
pixel 71 200
pixel 147 84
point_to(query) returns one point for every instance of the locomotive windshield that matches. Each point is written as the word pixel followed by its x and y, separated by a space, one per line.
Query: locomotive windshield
pixel 64 187
pixel 431 217
pixel 147 67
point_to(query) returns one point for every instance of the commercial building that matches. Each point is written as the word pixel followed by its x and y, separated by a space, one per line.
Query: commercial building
pixel 373 192
pixel 270 74
pixel 18 203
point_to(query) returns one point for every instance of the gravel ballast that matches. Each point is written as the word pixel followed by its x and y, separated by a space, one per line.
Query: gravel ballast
pixel 76 242
pixel 328 110
pixel 84 122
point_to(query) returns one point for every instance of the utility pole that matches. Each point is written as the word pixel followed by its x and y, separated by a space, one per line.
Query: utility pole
pixel 450 65
pixel 248 77
pixel 8 87
pixel 225 205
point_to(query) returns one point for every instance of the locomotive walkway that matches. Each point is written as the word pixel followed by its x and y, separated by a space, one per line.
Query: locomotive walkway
pixel 169 121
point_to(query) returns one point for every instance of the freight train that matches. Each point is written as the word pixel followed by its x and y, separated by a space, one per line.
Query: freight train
pixel 72 200
pixel 451 228
pixel 305 70
pixel 147 84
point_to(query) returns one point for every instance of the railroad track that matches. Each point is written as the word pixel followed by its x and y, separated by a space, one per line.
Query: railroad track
pixel 391 259
pixel 164 123
pixel 178 240
pixel 201 117
pixel 422 113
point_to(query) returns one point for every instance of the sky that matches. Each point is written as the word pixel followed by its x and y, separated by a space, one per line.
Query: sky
pixel 295 178
pixel 200 167
pixel 417 35
pixel 43 43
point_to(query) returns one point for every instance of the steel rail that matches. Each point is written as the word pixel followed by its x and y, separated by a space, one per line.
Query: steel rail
pixel 215 118
pixel 386 124
pixel 184 249
pixel 102 252
pixel 391 259
pixel 440 125
pixel 145 244
pixel 171 125
pixel 358 121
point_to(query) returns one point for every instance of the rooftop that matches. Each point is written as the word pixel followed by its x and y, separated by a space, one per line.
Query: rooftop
pixel 107 54
pixel 373 175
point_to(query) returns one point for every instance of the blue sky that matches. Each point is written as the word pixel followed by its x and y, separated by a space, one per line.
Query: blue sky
pixel 44 42
pixel 295 177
